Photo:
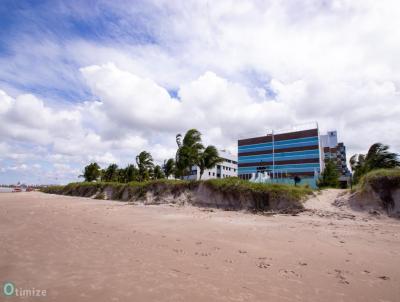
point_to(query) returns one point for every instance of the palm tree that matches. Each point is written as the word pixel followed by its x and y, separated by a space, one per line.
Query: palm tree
pixel 145 163
pixel 208 159
pixel 158 173
pixel 378 157
pixel 91 172
pixel 111 173
pixel 168 167
pixel 188 151
pixel 128 174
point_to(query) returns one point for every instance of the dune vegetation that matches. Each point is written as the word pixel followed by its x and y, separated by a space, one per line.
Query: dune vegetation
pixel 228 193
pixel 382 185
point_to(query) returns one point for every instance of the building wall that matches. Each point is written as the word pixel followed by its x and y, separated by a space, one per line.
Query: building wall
pixel 294 153
pixel 342 160
pixel 330 139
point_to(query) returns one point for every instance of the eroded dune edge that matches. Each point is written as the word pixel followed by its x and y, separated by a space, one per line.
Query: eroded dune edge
pixel 232 194
pixel 378 193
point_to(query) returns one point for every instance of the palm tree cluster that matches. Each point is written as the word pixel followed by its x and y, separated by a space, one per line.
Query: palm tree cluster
pixel 378 157
pixel 191 152
pixel 144 170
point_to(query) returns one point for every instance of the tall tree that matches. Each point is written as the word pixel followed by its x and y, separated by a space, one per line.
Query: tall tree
pixel 111 173
pixel 189 149
pixel 91 172
pixel 330 175
pixel 168 167
pixel 378 157
pixel 131 173
pixel 208 159
pixel 158 173
pixel 145 164
pixel 127 174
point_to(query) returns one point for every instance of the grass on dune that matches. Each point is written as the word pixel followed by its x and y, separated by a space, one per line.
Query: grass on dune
pixel 234 184
pixel 380 176
pixel 226 185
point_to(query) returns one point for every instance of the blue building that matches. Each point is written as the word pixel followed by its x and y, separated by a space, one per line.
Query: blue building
pixel 283 155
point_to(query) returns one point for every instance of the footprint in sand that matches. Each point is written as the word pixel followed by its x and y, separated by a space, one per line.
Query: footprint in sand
pixel 384 277
pixel 178 271
pixel 341 277
pixel 302 263
pixel 263 264
pixel 289 274
pixel 242 252
pixel 202 254
pixel 179 251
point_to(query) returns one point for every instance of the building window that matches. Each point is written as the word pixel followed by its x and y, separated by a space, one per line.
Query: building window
pixel 209 173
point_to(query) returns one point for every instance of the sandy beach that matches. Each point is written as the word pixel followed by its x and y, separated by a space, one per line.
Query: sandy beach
pixel 80 249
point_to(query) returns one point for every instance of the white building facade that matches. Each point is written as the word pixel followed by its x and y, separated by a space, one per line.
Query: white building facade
pixel 227 168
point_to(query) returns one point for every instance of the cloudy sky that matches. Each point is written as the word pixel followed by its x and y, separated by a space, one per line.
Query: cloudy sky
pixel 85 81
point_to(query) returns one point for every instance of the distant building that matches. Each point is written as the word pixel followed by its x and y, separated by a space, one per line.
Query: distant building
pixel 283 155
pixel 227 168
pixel 336 152
pixel 329 139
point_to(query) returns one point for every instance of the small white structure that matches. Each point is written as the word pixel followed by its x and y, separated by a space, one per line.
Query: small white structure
pixel 227 168
pixel 260 177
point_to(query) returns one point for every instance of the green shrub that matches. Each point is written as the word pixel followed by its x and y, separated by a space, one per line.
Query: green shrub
pixel 53 189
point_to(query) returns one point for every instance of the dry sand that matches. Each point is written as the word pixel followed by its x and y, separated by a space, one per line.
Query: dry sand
pixel 80 249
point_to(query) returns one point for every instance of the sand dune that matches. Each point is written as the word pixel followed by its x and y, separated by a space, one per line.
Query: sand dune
pixel 80 249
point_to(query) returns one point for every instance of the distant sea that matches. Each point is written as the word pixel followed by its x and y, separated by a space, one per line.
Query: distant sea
pixel 5 190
